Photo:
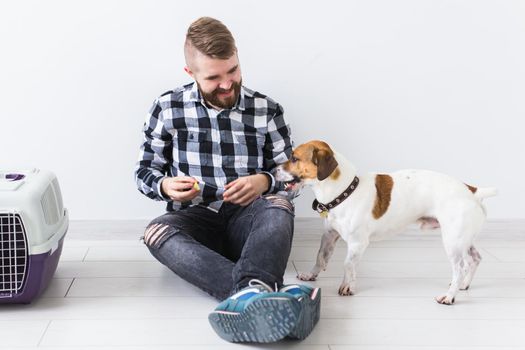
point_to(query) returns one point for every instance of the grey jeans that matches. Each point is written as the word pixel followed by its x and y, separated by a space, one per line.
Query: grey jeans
pixel 221 252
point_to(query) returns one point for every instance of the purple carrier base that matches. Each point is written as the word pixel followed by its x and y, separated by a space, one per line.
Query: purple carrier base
pixel 41 269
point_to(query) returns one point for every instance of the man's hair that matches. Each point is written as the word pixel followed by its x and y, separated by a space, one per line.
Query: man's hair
pixel 211 38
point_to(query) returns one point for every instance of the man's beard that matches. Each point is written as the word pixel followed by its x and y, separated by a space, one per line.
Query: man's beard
pixel 213 99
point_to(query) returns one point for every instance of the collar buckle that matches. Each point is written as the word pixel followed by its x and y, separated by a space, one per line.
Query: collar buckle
pixel 321 207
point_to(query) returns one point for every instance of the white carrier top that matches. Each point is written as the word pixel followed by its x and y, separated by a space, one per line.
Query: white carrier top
pixel 35 196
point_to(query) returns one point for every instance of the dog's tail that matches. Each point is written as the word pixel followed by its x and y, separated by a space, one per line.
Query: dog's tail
pixel 484 192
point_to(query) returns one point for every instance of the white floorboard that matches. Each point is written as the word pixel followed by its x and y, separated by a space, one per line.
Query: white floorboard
pixel 110 293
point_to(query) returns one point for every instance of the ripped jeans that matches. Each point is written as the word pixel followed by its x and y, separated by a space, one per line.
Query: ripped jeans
pixel 221 252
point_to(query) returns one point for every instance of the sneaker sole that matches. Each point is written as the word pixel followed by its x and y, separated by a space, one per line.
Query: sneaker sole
pixel 263 321
pixel 310 314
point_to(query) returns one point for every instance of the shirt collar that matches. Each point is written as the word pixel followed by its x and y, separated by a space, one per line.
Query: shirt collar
pixel 195 96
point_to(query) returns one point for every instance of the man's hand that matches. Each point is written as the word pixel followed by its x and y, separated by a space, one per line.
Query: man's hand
pixel 245 189
pixel 179 188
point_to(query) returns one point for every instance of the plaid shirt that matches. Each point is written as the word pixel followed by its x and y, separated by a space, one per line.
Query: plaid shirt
pixel 182 137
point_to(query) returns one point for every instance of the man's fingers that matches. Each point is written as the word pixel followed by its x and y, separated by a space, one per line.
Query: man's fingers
pixel 241 196
pixel 247 199
pixel 232 190
pixel 181 180
pixel 240 191
pixel 230 184
pixel 179 187
pixel 182 196
pixel 233 196
pixel 182 186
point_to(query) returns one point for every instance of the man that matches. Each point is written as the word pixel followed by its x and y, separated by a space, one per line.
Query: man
pixel 208 150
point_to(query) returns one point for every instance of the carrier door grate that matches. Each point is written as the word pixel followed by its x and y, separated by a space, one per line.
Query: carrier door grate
pixel 13 254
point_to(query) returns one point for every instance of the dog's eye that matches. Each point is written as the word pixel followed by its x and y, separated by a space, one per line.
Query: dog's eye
pixel 293 159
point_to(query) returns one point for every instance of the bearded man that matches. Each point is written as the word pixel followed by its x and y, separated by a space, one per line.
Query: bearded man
pixel 209 148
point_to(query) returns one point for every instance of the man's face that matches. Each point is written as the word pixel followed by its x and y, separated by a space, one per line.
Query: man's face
pixel 219 81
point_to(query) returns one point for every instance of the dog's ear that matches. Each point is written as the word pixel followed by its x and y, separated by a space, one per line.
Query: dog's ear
pixel 325 161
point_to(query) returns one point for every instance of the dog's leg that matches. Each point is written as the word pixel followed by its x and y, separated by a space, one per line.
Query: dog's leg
pixel 457 259
pixel 457 252
pixel 460 223
pixel 353 256
pixel 472 261
pixel 328 242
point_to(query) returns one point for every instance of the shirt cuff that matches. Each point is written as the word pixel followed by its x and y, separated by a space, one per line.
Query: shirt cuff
pixel 159 189
pixel 272 182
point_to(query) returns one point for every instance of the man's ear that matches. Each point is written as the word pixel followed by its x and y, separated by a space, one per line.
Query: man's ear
pixel 325 161
pixel 188 70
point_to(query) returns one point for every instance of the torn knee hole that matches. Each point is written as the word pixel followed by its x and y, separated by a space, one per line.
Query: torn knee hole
pixel 280 202
pixel 154 233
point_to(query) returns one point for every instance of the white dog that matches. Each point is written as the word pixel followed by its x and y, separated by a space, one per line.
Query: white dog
pixel 367 207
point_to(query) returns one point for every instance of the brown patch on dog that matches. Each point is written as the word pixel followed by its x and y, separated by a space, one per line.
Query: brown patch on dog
pixel 472 188
pixel 384 185
pixel 335 175
pixel 325 161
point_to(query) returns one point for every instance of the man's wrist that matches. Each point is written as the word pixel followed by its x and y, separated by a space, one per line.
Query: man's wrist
pixel 160 188
pixel 269 178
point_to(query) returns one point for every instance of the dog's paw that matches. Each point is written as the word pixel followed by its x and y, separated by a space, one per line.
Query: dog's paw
pixel 345 289
pixel 445 300
pixel 306 276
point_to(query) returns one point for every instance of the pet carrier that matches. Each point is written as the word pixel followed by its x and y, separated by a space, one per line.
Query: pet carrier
pixel 33 223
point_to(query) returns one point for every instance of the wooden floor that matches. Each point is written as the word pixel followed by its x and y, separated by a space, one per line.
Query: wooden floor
pixel 109 293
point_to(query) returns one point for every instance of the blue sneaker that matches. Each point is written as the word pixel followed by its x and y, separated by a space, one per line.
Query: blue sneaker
pixel 310 300
pixel 256 314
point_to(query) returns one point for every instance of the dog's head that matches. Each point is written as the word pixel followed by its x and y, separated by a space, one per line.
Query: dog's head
pixel 310 162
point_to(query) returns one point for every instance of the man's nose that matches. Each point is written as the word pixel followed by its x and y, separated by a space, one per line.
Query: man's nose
pixel 226 84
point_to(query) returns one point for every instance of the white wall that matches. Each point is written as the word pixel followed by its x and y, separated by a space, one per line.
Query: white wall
pixel 391 84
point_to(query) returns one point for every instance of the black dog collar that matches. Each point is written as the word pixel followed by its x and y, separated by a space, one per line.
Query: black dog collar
pixel 324 208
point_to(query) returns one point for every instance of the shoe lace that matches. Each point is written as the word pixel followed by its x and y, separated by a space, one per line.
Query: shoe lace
pixel 255 282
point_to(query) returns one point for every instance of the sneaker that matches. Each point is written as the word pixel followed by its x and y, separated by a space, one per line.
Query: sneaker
pixel 256 314
pixel 310 300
